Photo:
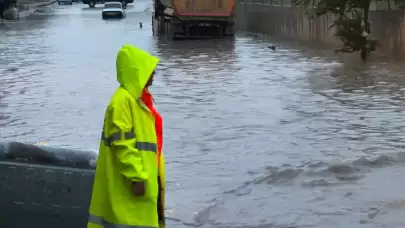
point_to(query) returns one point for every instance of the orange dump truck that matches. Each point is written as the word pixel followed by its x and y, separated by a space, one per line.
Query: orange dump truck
pixel 193 18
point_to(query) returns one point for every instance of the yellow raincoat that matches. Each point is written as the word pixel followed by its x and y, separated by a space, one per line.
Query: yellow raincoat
pixel 128 152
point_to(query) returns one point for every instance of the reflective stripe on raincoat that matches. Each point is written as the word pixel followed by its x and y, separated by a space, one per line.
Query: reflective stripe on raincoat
pixel 128 151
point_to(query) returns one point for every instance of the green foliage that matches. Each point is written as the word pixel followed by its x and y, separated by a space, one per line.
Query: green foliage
pixel 322 7
pixel 351 21
pixel 400 4
pixel 350 31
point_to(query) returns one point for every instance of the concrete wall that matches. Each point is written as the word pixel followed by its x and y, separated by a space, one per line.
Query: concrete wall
pixel 278 18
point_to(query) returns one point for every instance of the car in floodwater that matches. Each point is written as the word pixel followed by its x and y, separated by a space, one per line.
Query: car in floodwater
pixel 65 2
pixel 113 10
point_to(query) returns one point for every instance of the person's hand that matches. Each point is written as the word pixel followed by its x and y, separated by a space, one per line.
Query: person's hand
pixel 138 188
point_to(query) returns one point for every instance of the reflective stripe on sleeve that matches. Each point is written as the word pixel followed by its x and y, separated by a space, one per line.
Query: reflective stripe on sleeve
pixel 145 146
pixel 102 222
pixel 117 136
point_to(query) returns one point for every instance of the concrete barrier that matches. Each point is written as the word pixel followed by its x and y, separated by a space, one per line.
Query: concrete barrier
pixel 44 187
pixel 35 3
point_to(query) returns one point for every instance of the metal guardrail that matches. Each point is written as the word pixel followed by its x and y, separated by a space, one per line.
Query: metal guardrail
pixel 44 187
pixel 267 2
pixel 375 4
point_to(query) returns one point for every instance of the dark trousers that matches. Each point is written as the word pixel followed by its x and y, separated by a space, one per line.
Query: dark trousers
pixel 160 210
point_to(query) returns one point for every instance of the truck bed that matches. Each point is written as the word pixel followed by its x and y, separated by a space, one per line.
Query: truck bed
pixel 202 8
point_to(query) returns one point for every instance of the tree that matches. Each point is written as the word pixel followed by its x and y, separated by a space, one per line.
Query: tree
pixel 4 5
pixel 2 8
pixel 351 24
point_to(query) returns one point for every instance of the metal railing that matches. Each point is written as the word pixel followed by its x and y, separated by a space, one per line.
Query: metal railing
pixel 375 5
pixel 267 2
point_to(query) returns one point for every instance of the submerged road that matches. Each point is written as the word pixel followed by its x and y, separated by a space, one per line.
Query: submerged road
pixel 253 137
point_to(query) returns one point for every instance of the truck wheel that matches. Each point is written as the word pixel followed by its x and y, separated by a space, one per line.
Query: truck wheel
pixel 161 25
pixel 168 28
pixel 92 4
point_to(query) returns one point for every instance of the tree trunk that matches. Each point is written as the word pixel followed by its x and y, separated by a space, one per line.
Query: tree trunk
pixel 366 11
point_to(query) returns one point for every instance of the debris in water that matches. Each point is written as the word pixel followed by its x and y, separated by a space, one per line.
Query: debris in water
pixel 140 25
pixel 373 213
pixel 12 69
pixel 272 47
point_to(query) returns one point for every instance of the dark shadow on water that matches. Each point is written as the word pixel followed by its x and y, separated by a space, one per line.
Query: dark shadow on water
pixel 101 6
pixel 373 74
pixel 342 71
pixel 188 48
pixel 188 63
pixel 112 19
pixel 97 8
pixel 352 75
pixel 360 86
pixel 202 38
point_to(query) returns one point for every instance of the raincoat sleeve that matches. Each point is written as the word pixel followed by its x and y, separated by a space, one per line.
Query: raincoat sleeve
pixel 130 159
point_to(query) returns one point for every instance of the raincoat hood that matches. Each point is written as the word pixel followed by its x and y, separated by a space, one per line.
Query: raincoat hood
pixel 134 67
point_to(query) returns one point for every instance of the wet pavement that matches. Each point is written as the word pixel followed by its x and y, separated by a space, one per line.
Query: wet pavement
pixel 253 137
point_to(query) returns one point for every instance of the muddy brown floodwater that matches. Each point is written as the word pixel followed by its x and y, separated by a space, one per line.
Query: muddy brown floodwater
pixel 253 137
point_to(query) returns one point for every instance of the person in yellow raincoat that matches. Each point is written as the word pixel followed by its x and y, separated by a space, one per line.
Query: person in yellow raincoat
pixel 129 183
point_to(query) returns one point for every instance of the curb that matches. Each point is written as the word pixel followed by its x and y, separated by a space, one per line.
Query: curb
pixel 31 9
pixel 45 3
pixel 34 7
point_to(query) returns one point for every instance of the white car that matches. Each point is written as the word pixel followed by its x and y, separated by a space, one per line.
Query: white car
pixel 113 10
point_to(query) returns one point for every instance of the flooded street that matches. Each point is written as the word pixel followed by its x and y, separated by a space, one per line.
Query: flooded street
pixel 253 137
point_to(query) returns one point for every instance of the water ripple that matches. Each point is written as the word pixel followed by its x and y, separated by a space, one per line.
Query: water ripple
pixel 253 137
